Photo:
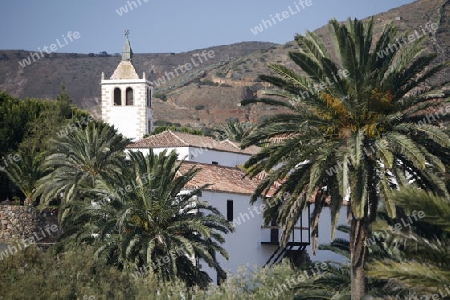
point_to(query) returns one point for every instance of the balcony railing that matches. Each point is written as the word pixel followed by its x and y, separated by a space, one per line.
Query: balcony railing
pixel 271 235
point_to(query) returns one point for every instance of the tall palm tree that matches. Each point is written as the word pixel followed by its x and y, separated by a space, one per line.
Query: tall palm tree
pixel 351 131
pixel 423 265
pixel 77 158
pixel 146 220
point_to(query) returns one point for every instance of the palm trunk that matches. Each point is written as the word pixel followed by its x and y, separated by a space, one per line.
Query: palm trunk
pixel 358 236
pixel 28 201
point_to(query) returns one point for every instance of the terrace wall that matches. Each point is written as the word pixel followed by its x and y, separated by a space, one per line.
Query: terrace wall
pixel 19 222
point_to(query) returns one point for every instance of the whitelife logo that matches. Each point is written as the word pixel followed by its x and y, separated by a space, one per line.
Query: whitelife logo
pixel 265 24
pixel 186 67
pixel 25 242
pixel 53 47
pixel 9 160
pixel 124 9
pixel 429 27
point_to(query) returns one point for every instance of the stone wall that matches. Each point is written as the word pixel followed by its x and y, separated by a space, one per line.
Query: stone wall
pixel 24 222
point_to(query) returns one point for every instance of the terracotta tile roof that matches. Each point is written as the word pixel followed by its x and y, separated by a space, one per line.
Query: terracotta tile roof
pixel 223 179
pixel 170 138
pixel 231 180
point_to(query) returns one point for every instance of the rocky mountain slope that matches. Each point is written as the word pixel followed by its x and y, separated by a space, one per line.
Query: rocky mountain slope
pixel 210 92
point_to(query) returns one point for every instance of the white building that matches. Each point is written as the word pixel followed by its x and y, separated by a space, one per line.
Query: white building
pixel 251 244
pixel 127 104
pixel 127 99
pixel 196 148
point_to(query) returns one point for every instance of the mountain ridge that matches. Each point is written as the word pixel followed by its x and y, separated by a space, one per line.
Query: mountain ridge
pixel 209 93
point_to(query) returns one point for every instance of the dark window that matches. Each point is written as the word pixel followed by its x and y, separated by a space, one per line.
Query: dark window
pixel 129 93
pixel 149 126
pixel 274 232
pixel 149 98
pixel 117 96
pixel 230 210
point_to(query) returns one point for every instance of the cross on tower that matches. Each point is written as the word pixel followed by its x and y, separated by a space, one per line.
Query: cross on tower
pixel 127 33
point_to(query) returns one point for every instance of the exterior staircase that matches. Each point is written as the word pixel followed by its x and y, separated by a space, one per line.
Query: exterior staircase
pixel 295 248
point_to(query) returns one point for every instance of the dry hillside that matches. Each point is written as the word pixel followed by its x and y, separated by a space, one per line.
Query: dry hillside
pixel 209 94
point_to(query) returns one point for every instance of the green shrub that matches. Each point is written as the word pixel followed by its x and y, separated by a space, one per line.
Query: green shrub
pixel 165 123
pixel 208 82
pixel 161 96
pixel 220 74
pixel 179 128
pixel 76 274
pixel 199 107
pixel 33 274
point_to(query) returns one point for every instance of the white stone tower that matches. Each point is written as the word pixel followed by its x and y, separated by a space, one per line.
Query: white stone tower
pixel 126 99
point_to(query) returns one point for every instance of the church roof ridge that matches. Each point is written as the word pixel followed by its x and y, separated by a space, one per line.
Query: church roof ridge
pixel 169 138
pixel 177 137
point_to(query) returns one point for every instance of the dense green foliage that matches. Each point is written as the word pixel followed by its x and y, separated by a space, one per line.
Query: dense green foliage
pixel 135 211
pixel 32 274
pixel 408 254
pixel 26 173
pixel 234 130
pixel 75 163
pixel 144 223
pixel 76 160
pixel 419 263
pixel 26 126
pixel 185 129
pixel 402 265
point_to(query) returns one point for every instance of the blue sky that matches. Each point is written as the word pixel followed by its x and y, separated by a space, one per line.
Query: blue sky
pixel 166 26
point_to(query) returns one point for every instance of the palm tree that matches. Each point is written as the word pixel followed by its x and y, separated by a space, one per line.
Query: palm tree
pixel 146 220
pixel 423 265
pixel 77 158
pixel 350 132
pixel 25 173
pixel 235 131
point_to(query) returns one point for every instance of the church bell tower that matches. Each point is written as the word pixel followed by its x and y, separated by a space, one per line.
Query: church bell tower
pixel 127 100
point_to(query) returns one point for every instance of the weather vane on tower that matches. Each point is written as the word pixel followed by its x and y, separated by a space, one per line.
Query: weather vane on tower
pixel 127 33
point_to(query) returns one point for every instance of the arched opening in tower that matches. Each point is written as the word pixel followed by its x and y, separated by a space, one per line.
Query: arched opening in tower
pixel 117 97
pixel 129 93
